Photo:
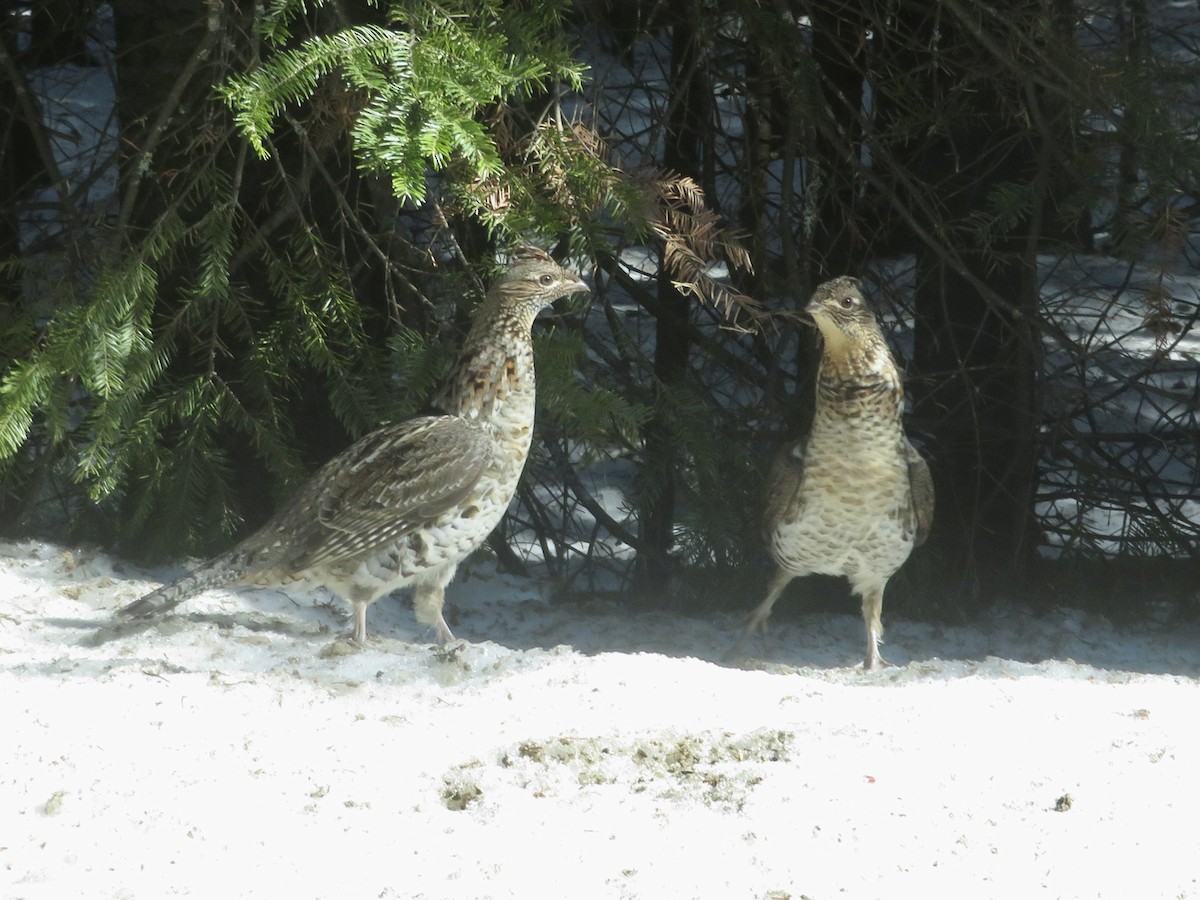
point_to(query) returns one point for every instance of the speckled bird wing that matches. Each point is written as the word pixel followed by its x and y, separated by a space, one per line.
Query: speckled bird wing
pixel 393 481
pixel 783 486
pixel 920 482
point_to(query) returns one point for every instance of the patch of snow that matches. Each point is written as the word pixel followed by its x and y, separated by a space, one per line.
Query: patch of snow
pixel 587 750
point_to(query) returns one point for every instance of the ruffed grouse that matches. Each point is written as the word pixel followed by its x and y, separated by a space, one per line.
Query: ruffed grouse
pixel 406 503
pixel 854 497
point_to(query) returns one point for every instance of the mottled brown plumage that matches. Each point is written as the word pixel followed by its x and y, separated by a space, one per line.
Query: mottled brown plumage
pixel 854 497
pixel 406 503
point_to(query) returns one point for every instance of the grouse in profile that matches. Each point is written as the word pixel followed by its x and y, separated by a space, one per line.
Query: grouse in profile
pixel 404 505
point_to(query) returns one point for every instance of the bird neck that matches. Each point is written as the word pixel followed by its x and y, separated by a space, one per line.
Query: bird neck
pixel 858 372
pixel 493 378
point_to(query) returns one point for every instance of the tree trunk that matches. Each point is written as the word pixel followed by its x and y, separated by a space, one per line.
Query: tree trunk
pixel 975 392
pixel 687 112
pixel 21 167
pixel 976 352
pixel 838 43
pixel 835 246
pixel 1132 23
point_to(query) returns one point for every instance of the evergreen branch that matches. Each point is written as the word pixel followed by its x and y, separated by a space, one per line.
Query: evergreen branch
pixel 291 76
pixel 571 479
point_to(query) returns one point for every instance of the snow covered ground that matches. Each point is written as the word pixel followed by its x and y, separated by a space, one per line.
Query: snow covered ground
pixel 570 751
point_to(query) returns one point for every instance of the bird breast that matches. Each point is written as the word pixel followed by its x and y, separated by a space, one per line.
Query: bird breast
pixel 847 517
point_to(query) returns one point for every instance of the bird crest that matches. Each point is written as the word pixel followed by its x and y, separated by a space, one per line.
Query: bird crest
pixel 528 253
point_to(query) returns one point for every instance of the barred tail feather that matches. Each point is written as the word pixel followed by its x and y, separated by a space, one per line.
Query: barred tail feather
pixel 214 573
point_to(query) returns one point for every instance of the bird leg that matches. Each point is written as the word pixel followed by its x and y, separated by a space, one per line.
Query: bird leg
pixel 428 600
pixel 756 622
pixel 872 609
pixel 360 621
pixel 349 644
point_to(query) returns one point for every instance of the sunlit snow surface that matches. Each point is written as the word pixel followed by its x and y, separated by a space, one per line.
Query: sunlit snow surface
pixel 567 751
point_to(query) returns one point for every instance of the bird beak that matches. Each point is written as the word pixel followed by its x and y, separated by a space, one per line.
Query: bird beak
pixel 575 286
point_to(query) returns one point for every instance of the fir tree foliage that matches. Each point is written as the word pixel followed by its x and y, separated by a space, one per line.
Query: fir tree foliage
pixel 572 395
pixel 427 75
pixel 146 376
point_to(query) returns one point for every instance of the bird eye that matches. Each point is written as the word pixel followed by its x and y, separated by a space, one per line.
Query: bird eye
pixel 546 280
pixel 847 302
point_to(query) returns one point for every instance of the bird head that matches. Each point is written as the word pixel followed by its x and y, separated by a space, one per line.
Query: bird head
pixel 842 314
pixel 533 281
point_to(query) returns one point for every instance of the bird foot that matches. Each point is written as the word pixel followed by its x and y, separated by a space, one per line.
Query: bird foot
pixel 449 652
pixel 739 646
pixel 343 645
pixel 875 663
pixel 874 660
pixel 755 622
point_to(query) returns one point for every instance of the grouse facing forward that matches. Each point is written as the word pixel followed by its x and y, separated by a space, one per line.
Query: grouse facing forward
pixel 406 503
pixel 854 497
